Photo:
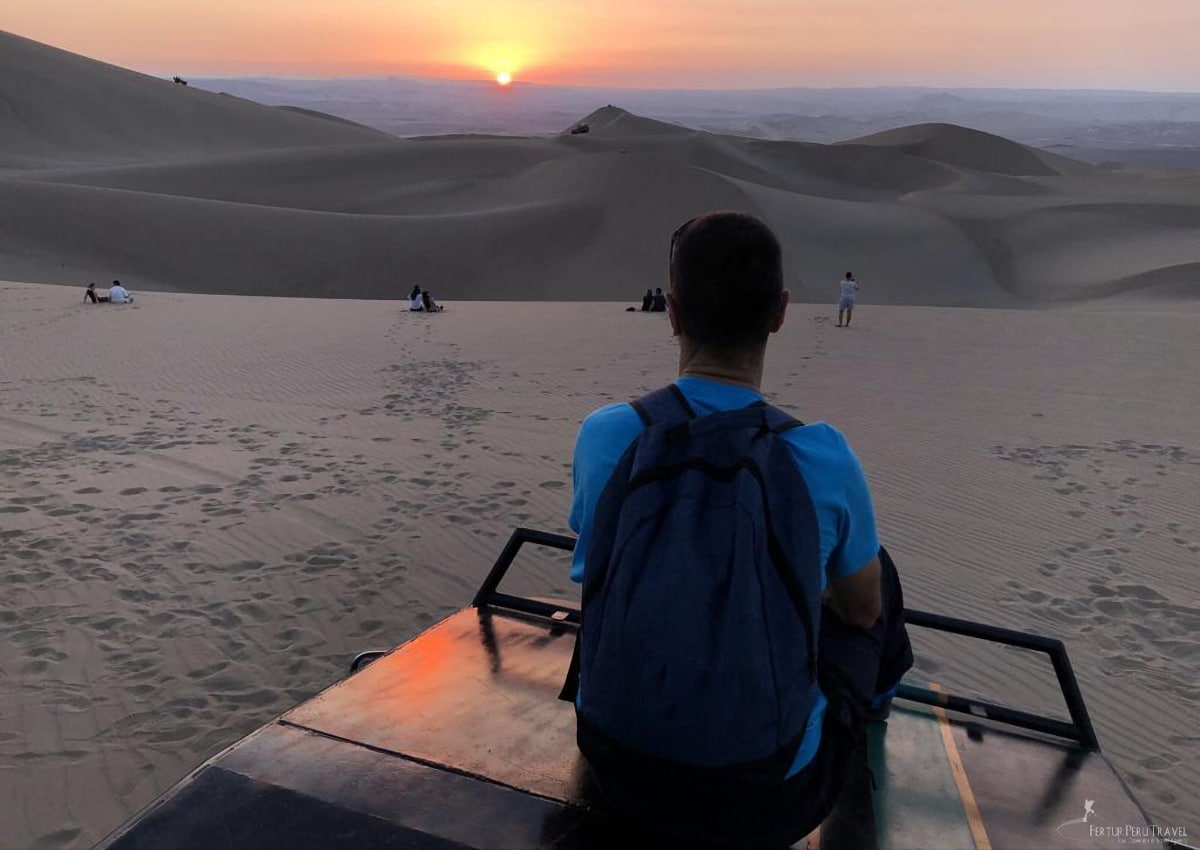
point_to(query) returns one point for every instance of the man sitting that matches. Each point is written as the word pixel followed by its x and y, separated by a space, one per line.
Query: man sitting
pixel 430 305
pixel 118 294
pixel 711 525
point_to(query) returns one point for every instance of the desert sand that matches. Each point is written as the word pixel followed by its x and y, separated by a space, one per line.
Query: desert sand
pixel 210 502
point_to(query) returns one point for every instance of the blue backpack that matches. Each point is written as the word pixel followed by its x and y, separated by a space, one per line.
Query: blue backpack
pixel 697 645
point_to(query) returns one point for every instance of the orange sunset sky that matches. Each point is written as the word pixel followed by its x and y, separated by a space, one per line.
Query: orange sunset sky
pixel 1144 44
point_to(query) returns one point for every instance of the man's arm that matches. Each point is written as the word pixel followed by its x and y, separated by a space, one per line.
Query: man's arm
pixel 856 597
pixel 603 438
pixel 854 577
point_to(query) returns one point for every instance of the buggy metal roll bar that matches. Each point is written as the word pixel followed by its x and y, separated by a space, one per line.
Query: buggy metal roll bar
pixel 1079 729
pixel 489 595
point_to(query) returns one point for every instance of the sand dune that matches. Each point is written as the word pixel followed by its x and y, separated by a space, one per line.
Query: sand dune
pixel 612 122
pixel 58 106
pixel 167 187
pixel 972 149
pixel 217 246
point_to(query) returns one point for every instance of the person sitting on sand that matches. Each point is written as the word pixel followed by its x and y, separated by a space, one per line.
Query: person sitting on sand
pixel 647 300
pixel 415 302
pixel 431 306
pixel 659 304
pixel 731 725
pixel 89 294
pixel 118 294
pixel 846 301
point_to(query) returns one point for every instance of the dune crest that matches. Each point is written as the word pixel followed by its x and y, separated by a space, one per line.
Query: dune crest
pixel 614 122
pixel 61 106
pixel 974 149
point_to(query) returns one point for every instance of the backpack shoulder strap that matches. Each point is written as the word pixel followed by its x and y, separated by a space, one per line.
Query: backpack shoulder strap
pixel 777 421
pixel 666 406
pixel 780 421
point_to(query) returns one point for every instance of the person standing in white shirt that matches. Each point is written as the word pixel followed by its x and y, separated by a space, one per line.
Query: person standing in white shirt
pixel 118 294
pixel 846 301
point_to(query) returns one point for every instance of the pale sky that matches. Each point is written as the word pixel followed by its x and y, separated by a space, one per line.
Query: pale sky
pixel 1130 44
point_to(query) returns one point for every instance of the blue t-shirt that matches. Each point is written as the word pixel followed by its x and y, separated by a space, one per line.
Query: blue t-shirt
pixel 845 516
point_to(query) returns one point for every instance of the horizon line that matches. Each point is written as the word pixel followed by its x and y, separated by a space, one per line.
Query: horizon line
pixel 518 83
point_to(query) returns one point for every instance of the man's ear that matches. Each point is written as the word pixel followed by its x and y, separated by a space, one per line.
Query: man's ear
pixel 780 312
pixel 672 315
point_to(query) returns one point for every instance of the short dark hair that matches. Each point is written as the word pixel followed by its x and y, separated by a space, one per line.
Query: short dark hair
pixel 727 277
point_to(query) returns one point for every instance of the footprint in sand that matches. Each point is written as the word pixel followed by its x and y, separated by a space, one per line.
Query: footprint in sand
pixel 59 838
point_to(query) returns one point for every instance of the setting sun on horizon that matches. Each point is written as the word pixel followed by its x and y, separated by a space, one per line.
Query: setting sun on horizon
pixel 504 78
pixel 623 43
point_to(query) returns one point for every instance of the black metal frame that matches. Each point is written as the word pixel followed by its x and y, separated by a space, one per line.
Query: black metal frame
pixel 1079 729
pixel 489 595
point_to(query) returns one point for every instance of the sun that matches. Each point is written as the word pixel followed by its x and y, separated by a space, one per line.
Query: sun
pixel 504 78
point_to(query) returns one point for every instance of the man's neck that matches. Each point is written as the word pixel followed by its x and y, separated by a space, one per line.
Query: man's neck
pixel 743 371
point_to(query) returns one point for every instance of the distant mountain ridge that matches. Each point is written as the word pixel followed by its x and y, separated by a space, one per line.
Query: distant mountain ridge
pixel 1128 127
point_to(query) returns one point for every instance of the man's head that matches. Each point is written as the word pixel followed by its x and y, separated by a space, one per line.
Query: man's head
pixel 849 276
pixel 116 283
pixel 727 290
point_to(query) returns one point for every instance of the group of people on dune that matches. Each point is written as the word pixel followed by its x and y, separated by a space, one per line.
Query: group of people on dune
pixel 654 302
pixel 420 301
pixel 117 294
